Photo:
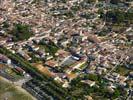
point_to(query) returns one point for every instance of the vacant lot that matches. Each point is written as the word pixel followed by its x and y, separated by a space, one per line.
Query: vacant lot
pixel 9 91
pixel 43 69
pixel 122 70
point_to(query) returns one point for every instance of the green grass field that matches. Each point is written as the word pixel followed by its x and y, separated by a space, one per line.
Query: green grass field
pixel 11 92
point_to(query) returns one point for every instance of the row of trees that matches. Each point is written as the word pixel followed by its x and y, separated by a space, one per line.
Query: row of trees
pixel 47 89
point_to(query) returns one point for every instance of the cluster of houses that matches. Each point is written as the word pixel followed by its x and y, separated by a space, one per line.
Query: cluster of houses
pixel 79 49
pixel 94 56
pixel 11 70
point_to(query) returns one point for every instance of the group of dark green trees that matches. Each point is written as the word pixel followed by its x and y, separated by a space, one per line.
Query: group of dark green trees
pixel 117 16
pixel 21 32
pixel 111 1
pixel 100 92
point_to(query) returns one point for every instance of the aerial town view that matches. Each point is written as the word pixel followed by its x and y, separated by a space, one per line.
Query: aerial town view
pixel 66 49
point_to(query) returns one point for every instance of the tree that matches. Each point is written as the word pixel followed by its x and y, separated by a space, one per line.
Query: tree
pixel 116 94
pixel 92 77
pixel 120 17
pixel 90 1
pixel 21 32
pixel 114 1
